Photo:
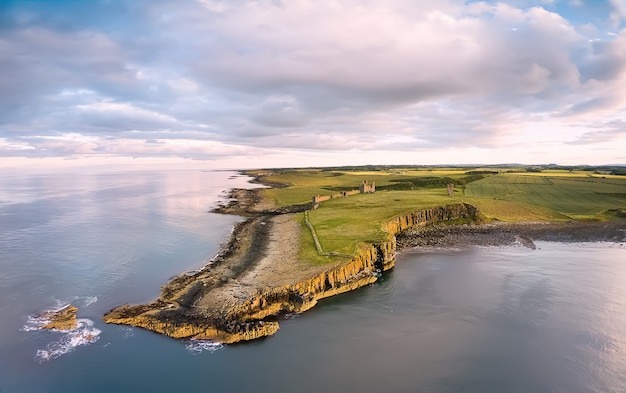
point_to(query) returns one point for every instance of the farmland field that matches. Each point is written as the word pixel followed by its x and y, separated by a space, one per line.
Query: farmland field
pixel 508 195
pixel 569 197
pixel 302 184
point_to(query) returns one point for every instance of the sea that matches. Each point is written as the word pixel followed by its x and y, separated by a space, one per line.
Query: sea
pixel 479 319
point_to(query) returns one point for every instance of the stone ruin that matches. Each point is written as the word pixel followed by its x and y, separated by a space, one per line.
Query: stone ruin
pixel 364 188
pixel 450 190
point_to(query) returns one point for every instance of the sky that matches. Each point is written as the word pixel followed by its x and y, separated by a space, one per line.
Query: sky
pixel 277 83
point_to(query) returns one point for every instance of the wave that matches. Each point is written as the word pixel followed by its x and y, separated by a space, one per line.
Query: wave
pixel 84 334
pixel 86 300
pixel 199 346
pixel 36 322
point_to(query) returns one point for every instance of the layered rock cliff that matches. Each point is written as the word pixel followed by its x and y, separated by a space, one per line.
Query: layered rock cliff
pixel 251 314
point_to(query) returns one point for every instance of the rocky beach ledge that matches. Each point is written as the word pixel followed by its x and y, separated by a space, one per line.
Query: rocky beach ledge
pixel 257 277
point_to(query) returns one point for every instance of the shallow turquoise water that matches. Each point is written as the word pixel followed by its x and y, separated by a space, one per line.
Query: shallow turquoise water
pixel 477 320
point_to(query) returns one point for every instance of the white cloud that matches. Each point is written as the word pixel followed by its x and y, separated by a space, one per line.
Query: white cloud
pixel 125 110
pixel 183 85
pixel 213 6
pixel 212 78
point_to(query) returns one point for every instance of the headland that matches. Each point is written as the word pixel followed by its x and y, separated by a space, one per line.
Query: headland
pixel 291 252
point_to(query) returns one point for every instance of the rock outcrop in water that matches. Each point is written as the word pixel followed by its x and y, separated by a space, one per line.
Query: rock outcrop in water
pixel 213 303
pixel 63 319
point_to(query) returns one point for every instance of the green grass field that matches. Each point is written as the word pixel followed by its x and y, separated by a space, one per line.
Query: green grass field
pixel 566 197
pixel 304 183
pixel 342 224
pixel 506 194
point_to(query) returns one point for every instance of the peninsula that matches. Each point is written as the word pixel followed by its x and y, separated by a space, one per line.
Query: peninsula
pixel 319 232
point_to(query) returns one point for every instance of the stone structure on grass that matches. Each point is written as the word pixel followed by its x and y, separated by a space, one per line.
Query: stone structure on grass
pixel 364 188
pixel 451 190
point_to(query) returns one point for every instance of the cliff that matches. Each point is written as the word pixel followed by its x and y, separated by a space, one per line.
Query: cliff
pixel 204 310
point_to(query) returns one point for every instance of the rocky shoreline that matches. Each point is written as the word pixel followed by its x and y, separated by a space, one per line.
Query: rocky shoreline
pixel 506 234
pixel 257 277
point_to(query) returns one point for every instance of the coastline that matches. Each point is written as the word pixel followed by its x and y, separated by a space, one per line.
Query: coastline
pixel 257 276
pixel 507 234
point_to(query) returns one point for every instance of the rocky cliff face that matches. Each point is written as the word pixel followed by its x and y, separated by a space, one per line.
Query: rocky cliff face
pixel 249 317
pixel 180 323
pixel 428 216
pixel 364 268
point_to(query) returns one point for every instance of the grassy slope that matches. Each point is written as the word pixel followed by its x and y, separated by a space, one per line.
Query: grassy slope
pixel 342 224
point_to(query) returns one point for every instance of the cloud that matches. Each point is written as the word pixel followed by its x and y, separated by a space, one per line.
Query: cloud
pixel 618 13
pixel 37 64
pixel 374 54
pixel 602 132
pixel 280 112
pixel 195 78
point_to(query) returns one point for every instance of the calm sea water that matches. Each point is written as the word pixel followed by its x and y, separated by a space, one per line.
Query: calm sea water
pixel 476 320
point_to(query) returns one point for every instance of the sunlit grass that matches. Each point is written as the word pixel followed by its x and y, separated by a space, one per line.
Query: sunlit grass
pixel 342 224
pixel 345 224
pixel 303 184
pixel 510 211
pixel 567 196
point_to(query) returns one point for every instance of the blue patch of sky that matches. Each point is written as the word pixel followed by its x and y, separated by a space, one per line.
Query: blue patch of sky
pixel 73 15
pixel 581 12
pixel 596 12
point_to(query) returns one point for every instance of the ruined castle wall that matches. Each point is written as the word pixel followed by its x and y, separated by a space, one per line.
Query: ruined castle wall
pixel 323 198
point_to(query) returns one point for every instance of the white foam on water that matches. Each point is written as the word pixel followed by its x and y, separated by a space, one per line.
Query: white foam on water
pixel 59 305
pixel 86 301
pixel 127 332
pixel 599 245
pixel 36 322
pixel 84 334
pixel 199 346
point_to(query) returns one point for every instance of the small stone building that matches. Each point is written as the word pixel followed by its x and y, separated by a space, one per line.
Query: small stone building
pixel 366 188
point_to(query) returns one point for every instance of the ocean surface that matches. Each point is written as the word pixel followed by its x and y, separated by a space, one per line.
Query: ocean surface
pixel 505 319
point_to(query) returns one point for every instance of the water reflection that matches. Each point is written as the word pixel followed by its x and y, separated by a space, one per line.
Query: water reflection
pixel 117 237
